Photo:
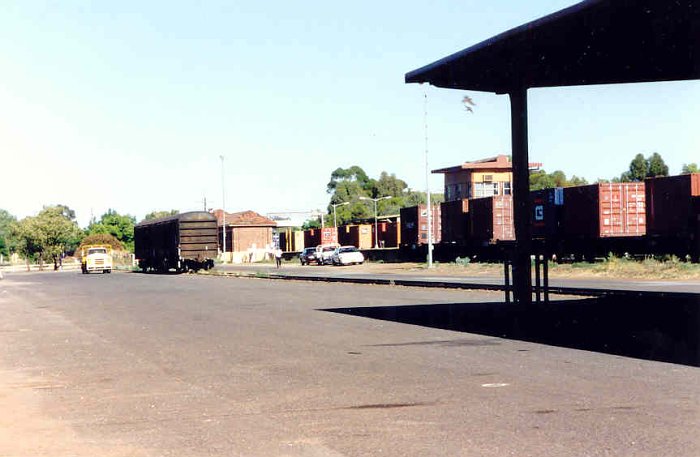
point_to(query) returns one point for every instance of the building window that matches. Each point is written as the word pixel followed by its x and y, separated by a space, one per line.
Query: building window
pixel 458 191
pixel 448 193
pixel 506 188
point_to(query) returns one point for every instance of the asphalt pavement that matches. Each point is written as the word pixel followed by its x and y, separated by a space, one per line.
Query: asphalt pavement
pixel 356 273
pixel 191 365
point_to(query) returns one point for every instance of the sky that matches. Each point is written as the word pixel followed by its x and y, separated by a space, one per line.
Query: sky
pixel 131 105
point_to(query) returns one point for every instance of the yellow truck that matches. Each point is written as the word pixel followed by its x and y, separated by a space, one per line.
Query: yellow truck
pixel 96 257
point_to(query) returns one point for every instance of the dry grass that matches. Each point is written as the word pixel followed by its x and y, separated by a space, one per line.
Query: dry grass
pixel 612 267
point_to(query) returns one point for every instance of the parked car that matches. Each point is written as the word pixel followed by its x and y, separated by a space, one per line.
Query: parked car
pixel 324 253
pixel 347 255
pixel 308 255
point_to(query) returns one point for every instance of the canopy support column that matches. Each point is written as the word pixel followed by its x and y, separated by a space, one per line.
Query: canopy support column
pixel 522 282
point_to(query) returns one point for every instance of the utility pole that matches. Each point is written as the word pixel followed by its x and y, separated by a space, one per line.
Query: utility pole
pixel 223 208
pixel 427 186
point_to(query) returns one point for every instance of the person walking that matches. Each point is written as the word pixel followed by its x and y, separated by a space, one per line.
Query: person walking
pixel 278 257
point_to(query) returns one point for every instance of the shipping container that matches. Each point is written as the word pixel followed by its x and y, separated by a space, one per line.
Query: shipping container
pixel 669 204
pixel 455 221
pixel 291 241
pixel 312 237
pixel 604 210
pixel 359 236
pixel 298 239
pixel 329 235
pixel 546 208
pixel 389 235
pixel 491 219
pixel 414 225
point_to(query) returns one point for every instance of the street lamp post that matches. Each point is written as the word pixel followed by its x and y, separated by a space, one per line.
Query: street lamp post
pixel 335 221
pixel 223 207
pixel 376 230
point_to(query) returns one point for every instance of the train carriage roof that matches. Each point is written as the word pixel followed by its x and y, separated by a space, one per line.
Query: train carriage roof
pixel 191 216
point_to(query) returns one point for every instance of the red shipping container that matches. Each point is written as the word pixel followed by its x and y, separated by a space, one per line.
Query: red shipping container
pixel 414 225
pixel 329 235
pixel 604 210
pixel 312 237
pixel 491 219
pixel 455 221
pixel 389 233
pixel 669 204
pixel 359 236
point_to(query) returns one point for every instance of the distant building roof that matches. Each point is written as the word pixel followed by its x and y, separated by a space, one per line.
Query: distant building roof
pixel 500 162
pixel 244 219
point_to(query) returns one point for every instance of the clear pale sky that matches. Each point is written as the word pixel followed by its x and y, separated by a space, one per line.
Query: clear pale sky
pixel 128 105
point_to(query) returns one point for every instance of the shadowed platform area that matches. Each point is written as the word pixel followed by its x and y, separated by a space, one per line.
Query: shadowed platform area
pixel 646 327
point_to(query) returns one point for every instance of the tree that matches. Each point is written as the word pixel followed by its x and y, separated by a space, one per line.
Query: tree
pixel 26 238
pixel 49 234
pixel 656 166
pixel 102 238
pixel 352 174
pixel 540 179
pixel 119 226
pixel 6 221
pixel 690 168
pixel 389 185
pixel 159 214
pixel 639 169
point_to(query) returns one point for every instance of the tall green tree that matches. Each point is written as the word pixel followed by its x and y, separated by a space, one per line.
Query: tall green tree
pixel 48 235
pixel 6 221
pixel 638 170
pixel 540 179
pixel 120 226
pixel 690 168
pixel 656 166
pixel 158 214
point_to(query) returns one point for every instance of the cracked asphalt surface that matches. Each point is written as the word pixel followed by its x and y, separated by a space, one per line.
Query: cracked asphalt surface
pixel 168 365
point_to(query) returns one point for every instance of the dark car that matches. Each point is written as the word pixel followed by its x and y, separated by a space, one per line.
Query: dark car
pixel 308 255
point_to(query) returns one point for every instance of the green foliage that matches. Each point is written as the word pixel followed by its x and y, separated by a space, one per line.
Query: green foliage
pixel 641 168
pixel 347 185
pixel 656 166
pixel 540 179
pixel 690 168
pixel 311 224
pixel 47 235
pixel 159 214
pixel 102 238
pixel 119 226
pixel 6 221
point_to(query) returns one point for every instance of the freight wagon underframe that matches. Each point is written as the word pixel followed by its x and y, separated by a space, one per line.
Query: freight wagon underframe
pixel 592 42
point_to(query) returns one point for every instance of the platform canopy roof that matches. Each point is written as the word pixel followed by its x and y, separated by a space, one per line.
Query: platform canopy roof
pixel 592 42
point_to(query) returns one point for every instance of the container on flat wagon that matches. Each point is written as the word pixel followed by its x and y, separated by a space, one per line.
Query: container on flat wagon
pixel 312 237
pixel 298 241
pixel 669 204
pixel 329 235
pixel 291 241
pixel 359 236
pixel 546 206
pixel 389 235
pixel 605 210
pixel 491 219
pixel 414 225
pixel 455 221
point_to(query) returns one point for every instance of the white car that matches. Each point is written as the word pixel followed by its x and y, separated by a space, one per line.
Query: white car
pixel 347 255
pixel 324 253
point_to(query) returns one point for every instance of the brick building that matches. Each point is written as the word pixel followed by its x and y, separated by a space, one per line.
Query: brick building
pixel 480 178
pixel 248 235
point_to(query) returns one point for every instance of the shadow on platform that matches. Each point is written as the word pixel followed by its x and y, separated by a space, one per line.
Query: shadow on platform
pixel 663 328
